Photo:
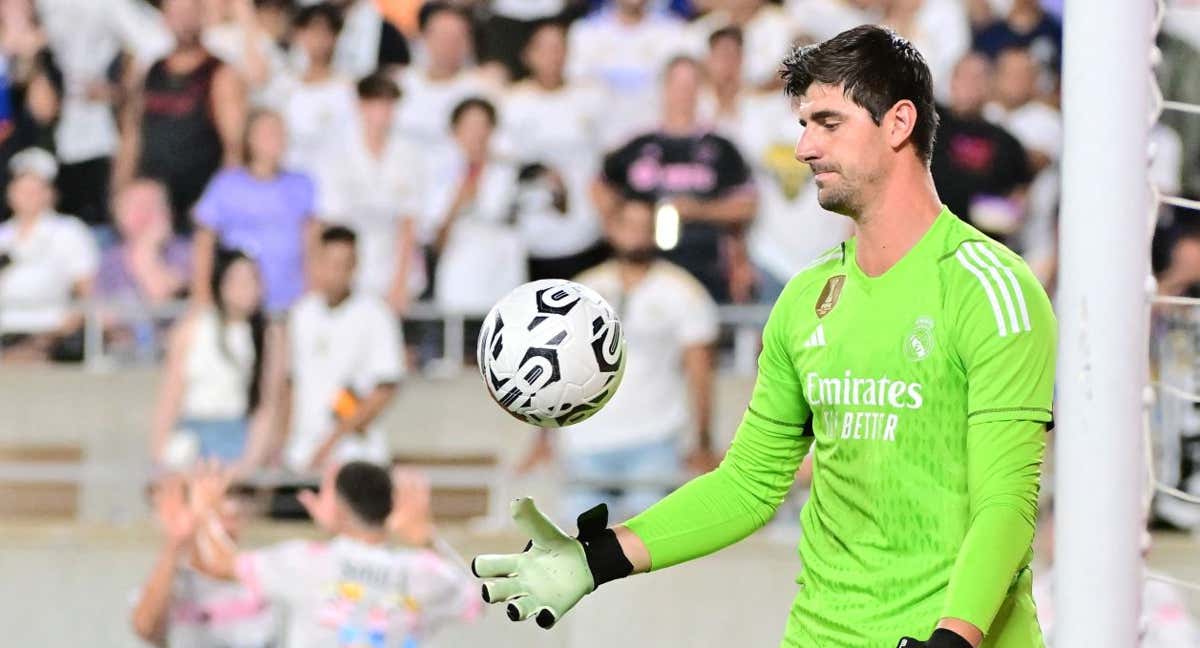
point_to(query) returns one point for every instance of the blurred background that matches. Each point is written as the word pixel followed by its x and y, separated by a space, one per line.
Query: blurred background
pixel 179 175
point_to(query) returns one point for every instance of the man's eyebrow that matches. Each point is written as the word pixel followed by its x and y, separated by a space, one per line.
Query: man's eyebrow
pixel 823 115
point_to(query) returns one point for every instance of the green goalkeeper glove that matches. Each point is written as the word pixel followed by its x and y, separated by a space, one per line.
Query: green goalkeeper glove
pixel 555 570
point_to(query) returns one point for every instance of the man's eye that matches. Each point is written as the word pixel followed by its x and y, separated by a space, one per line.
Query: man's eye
pixel 830 125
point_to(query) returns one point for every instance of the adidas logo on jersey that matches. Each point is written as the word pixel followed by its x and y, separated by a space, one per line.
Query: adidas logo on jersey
pixel 817 339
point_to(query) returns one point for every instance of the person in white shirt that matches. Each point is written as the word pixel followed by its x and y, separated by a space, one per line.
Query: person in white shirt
pixel 47 259
pixel 479 253
pixel 790 228
pixel 373 183
pixel 356 589
pixel 821 20
pixel 368 42
pixel 237 36
pixel 938 29
pixel 769 33
pixel 670 325
pixel 221 376
pixel 86 37
pixel 181 607
pixel 346 364
pixel 440 78
pixel 551 128
pixel 624 49
pixel 320 103
pixel 509 27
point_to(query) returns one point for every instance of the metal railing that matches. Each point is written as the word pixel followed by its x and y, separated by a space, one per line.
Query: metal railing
pixel 744 322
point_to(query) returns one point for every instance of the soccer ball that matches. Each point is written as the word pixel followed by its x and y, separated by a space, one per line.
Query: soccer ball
pixel 551 352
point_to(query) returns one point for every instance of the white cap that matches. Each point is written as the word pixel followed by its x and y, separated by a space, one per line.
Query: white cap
pixel 36 161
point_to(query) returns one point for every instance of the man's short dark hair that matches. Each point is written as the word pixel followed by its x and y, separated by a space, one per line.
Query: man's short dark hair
pixel 338 234
pixel 323 11
pixel 732 32
pixel 434 7
pixel 378 86
pixel 367 490
pixel 876 68
pixel 472 102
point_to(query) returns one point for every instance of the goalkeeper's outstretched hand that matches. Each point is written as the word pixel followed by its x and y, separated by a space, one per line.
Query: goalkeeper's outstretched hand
pixel 555 570
pixel 941 638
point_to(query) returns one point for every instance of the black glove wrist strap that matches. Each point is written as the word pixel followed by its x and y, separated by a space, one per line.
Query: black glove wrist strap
pixel 605 558
pixel 943 638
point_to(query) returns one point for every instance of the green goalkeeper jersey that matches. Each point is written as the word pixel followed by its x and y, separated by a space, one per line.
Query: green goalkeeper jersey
pixel 883 378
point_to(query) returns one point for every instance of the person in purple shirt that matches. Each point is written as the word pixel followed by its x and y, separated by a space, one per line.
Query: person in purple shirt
pixel 150 266
pixel 146 269
pixel 261 210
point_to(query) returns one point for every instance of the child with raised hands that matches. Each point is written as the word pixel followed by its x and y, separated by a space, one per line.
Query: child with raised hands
pixel 357 589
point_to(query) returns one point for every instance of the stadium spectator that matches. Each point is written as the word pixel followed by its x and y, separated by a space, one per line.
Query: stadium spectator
pixel 319 104
pixel 1028 26
pixel 89 39
pixel 356 589
pixel 372 182
pixel 699 172
pixel 559 158
pixel 768 34
pixel 367 41
pixel 623 48
pixel 180 606
pixel 509 26
pixel 261 209
pixel 938 29
pixel 479 253
pixel 47 259
pixel 147 268
pixel 30 85
pixel 1037 125
pixel 150 265
pixel 219 387
pixel 236 34
pixel 670 325
pixel 345 367
pixel 819 20
pixel 441 78
pixel 1016 108
pixel 185 118
pixel 981 171
pixel 790 228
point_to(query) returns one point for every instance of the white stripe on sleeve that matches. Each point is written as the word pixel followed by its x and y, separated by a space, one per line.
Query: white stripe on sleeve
pixel 973 251
pixel 987 288
pixel 1012 280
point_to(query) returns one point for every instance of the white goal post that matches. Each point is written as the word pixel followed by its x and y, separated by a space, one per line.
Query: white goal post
pixel 1103 322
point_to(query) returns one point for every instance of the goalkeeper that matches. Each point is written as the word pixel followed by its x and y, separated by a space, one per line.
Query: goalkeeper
pixel 916 362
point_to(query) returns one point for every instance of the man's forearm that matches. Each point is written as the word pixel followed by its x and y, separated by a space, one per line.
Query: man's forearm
pixel 724 506
pixel 370 408
pixel 150 613
pixel 1004 468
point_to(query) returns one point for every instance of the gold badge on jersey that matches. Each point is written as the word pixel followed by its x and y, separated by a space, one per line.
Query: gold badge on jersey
pixel 829 295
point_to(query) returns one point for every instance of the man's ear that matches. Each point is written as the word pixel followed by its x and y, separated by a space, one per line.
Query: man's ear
pixel 899 123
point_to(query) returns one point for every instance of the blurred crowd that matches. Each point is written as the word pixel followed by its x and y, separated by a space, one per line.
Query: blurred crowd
pixel 258 192
pixel 468 145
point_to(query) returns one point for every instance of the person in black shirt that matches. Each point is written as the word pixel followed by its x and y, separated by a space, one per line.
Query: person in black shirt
pixel 979 168
pixel 698 172
pixel 185 119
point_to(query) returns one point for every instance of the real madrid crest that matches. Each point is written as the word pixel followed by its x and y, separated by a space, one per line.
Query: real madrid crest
pixel 829 295
pixel 918 344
